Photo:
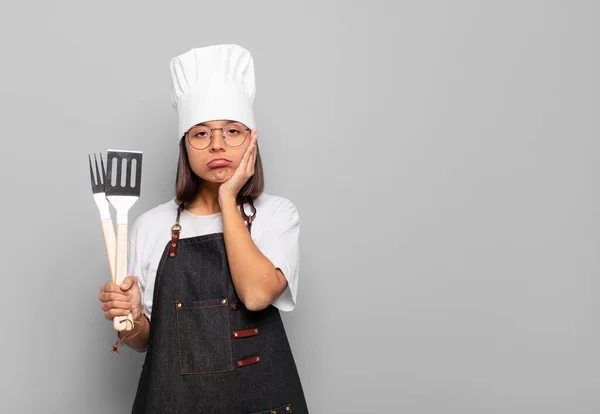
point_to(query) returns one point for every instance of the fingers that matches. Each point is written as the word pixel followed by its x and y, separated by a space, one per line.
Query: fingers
pixel 246 166
pixel 115 308
pixel 113 313
pixel 244 170
pixel 255 139
pixel 117 304
pixel 128 282
pixel 251 147
pixel 124 287
pixel 251 154
pixel 111 287
pixel 116 301
pixel 108 296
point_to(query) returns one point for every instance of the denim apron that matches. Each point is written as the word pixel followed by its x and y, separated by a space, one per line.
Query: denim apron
pixel 207 353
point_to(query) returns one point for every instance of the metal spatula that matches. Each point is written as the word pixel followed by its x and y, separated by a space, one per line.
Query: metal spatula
pixel 123 183
pixel 108 230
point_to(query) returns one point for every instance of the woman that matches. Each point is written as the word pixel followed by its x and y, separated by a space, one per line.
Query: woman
pixel 210 269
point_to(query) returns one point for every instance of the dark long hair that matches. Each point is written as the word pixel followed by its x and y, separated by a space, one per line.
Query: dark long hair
pixel 188 184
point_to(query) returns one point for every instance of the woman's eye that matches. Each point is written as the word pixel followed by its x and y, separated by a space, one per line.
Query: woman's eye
pixel 233 131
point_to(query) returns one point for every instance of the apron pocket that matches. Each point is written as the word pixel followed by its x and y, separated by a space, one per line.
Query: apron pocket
pixel 203 336
pixel 277 410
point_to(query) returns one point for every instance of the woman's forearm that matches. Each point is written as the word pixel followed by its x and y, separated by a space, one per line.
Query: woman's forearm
pixel 139 336
pixel 255 278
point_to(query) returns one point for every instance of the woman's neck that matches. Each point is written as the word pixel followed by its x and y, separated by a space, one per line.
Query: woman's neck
pixel 203 207
pixel 205 203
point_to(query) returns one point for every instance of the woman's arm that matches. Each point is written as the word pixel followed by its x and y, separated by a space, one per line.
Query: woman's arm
pixel 257 282
pixel 139 336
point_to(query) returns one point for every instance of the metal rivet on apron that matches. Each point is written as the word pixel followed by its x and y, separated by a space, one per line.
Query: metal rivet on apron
pixel 235 334
pixel 172 254
pixel 224 301
pixel 256 330
pixel 179 305
pixel 173 244
pixel 239 363
pixel 273 412
pixel 287 408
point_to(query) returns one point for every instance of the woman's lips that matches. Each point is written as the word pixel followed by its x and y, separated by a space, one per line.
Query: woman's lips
pixel 219 162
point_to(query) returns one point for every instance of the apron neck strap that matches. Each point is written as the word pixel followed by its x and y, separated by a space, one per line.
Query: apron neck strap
pixel 248 219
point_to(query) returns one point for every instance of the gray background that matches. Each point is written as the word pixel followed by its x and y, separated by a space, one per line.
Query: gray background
pixel 442 156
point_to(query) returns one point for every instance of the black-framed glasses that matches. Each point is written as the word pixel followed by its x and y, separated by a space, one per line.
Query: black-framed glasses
pixel 233 134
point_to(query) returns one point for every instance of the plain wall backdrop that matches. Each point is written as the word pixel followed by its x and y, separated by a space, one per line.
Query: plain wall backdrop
pixel 443 156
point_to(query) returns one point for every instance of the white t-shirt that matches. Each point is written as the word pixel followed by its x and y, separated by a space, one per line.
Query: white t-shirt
pixel 275 231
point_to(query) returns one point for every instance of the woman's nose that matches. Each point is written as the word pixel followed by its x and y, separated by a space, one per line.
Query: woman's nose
pixel 217 141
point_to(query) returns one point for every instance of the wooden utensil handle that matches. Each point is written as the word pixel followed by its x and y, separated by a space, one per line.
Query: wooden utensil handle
pixel 108 231
pixel 120 324
pixel 121 274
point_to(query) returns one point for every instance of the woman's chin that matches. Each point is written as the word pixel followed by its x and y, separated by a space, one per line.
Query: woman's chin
pixel 218 175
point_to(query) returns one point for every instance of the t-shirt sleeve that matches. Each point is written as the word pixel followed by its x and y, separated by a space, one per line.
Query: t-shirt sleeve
pixel 279 242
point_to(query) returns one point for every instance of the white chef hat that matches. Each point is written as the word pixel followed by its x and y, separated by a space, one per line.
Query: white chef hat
pixel 213 82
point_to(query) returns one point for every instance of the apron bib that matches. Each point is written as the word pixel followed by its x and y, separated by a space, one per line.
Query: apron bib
pixel 207 352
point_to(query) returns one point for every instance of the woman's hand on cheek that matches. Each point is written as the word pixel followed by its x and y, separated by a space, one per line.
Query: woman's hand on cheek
pixel 243 172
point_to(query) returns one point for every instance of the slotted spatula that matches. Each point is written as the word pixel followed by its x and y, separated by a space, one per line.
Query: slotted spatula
pixel 108 230
pixel 123 183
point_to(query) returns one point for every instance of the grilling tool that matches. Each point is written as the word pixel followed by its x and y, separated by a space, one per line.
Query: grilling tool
pixel 122 186
pixel 108 230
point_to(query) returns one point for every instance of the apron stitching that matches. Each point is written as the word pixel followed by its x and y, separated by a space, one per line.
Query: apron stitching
pixel 206 372
pixel 178 344
pixel 229 339
pixel 204 307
